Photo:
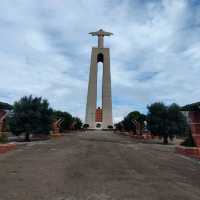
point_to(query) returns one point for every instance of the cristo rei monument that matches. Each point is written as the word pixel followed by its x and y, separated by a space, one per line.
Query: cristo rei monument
pixel 101 117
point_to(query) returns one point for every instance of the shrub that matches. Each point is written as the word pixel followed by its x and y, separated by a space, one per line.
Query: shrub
pixel 85 126
pixel 119 126
pixel 98 125
pixel 132 122
pixel 110 127
pixel 77 123
pixel 189 141
pixel 67 120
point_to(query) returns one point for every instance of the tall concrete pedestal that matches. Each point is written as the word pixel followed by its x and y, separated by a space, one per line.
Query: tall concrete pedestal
pixel 99 54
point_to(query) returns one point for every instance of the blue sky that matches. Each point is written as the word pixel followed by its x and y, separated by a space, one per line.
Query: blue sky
pixel 155 51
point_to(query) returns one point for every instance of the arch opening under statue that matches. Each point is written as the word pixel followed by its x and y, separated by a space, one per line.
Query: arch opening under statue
pixel 100 58
pixel 99 84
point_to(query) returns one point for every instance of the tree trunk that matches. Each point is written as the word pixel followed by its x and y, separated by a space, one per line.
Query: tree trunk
pixel 165 140
pixel 140 128
pixel 27 137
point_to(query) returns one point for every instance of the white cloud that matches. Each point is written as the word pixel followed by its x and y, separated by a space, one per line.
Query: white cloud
pixel 45 50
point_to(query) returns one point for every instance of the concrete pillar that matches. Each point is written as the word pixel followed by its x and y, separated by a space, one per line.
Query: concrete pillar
pixel 106 90
pixel 99 54
pixel 100 42
pixel 92 92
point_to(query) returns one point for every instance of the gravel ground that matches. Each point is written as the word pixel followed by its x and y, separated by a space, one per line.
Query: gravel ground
pixel 97 166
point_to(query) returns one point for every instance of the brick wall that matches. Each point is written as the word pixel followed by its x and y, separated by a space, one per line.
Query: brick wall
pixel 194 117
pixel 98 114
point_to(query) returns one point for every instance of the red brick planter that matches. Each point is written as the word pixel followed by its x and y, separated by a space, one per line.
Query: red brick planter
pixel 143 136
pixel 188 151
pixel 6 147
pixel 56 135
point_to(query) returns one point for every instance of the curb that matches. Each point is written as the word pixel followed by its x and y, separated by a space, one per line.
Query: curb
pixel 188 151
pixel 7 147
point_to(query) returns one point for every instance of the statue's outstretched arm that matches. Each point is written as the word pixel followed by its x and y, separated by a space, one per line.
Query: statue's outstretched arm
pixel 93 33
pixel 108 33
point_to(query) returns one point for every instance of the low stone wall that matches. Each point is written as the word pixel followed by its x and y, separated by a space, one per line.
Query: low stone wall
pixel 56 135
pixel 193 152
pixel 7 147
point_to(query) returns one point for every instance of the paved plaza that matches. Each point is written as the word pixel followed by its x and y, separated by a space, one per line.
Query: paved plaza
pixel 97 166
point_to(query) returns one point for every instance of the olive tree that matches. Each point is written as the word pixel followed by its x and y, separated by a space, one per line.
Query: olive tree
pixel 166 121
pixel 30 115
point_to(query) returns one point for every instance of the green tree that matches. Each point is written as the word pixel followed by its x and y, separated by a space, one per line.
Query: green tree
pixel 189 141
pixel 129 121
pixel 77 123
pixel 5 106
pixel 177 120
pixel 67 120
pixel 119 126
pixel 166 121
pixel 86 126
pixel 30 116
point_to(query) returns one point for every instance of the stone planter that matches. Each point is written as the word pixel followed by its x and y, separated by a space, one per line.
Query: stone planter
pixel 7 147
pixel 142 137
pixel 56 135
pixel 193 152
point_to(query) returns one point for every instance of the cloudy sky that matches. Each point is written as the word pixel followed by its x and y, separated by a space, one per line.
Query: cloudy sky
pixel 155 51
